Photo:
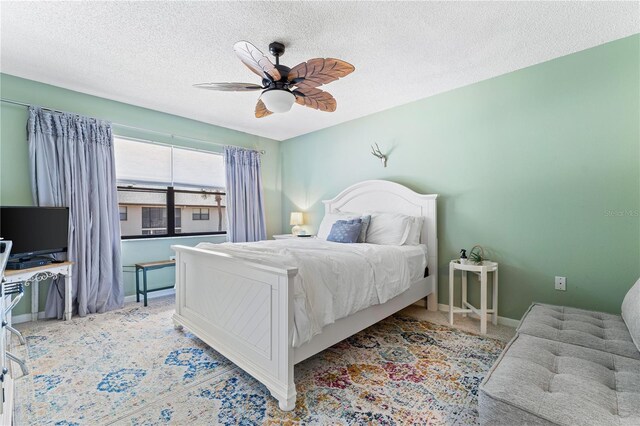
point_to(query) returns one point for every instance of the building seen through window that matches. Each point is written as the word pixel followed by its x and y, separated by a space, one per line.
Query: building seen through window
pixel 156 179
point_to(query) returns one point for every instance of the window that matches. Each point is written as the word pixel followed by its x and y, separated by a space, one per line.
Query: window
pixel 155 180
pixel 200 214
pixel 154 221
pixel 145 163
pixel 178 216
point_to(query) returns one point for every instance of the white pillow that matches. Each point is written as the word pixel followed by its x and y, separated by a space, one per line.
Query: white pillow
pixel 389 229
pixel 413 239
pixel 329 219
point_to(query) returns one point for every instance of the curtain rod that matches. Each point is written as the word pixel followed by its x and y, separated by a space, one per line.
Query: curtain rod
pixel 11 101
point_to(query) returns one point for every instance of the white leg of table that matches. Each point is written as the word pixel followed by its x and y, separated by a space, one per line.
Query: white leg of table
pixel 494 304
pixel 67 295
pixel 483 302
pixel 464 291
pixel 451 277
pixel 34 300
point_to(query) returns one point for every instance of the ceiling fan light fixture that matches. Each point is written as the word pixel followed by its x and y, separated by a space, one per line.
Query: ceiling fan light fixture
pixel 285 86
pixel 278 100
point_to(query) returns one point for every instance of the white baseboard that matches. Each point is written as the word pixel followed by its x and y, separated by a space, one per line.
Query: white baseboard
pixel 17 319
pixel 509 322
pixel 160 293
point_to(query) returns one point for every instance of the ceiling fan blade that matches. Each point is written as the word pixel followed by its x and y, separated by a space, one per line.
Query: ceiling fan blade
pixel 261 109
pixel 229 87
pixel 319 71
pixel 255 60
pixel 316 99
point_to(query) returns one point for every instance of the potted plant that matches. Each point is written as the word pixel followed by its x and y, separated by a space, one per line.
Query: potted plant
pixel 476 255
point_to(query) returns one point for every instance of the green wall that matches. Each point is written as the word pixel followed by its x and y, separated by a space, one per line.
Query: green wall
pixel 541 166
pixel 14 168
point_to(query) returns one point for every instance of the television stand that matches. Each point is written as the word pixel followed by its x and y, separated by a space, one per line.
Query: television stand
pixel 39 274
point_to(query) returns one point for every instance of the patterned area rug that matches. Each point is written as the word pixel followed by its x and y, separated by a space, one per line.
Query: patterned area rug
pixel 131 367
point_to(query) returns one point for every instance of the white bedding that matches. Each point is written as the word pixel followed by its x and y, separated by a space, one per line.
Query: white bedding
pixel 334 280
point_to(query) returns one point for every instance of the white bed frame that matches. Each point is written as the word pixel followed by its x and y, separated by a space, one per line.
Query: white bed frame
pixel 244 309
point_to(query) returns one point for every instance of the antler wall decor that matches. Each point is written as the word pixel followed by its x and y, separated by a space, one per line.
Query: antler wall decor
pixel 376 153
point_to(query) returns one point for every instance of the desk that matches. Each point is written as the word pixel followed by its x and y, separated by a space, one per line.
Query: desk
pixel 39 274
pixel 149 266
pixel 481 270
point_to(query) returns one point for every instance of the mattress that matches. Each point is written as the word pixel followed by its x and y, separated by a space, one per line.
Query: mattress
pixel 334 280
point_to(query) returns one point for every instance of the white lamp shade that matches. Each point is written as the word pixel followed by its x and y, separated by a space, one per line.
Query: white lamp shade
pixel 278 100
pixel 296 218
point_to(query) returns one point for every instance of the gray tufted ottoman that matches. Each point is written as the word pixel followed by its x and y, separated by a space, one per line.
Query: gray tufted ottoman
pixel 596 330
pixel 568 366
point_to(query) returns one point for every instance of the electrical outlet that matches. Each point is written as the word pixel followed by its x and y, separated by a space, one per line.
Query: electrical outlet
pixel 561 283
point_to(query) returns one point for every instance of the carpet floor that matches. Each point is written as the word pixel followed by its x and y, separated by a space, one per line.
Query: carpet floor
pixel 130 367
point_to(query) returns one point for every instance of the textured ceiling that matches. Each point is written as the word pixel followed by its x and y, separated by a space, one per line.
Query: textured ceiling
pixel 150 53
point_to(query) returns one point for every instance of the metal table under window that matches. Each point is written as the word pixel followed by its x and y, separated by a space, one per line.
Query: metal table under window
pixel 150 266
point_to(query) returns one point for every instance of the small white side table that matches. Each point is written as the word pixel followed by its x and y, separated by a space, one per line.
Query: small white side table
pixel 41 273
pixel 481 270
pixel 288 236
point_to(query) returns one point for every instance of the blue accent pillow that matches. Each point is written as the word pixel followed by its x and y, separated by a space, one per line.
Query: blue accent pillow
pixel 365 225
pixel 345 231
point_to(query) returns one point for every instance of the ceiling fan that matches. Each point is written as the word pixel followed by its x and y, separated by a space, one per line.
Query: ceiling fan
pixel 281 85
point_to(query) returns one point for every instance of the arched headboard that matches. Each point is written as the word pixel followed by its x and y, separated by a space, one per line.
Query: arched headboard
pixel 390 197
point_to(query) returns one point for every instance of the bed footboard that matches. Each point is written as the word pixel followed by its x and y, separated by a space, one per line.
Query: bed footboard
pixel 242 309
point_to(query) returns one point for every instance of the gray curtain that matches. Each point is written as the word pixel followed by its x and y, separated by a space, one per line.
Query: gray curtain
pixel 72 165
pixel 245 200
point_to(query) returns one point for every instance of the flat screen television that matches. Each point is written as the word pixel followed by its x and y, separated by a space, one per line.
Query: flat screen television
pixel 35 231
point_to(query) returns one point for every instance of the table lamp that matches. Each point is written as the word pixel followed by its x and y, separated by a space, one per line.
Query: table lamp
pixel 296 221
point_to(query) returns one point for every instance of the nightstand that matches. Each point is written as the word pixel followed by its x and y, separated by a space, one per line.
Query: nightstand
pixel 289 236
pixel 481 270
